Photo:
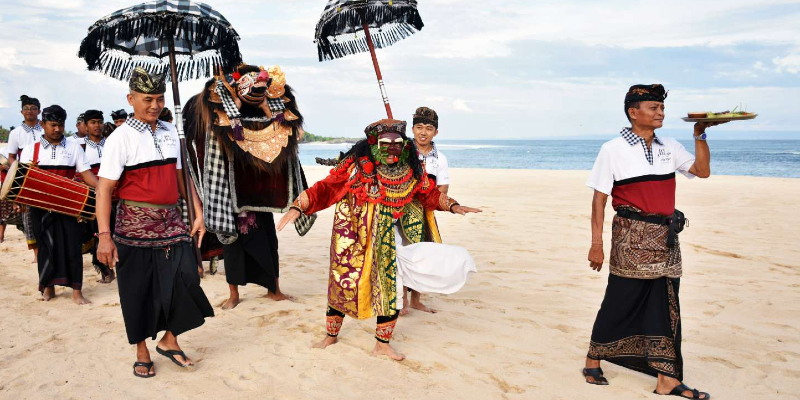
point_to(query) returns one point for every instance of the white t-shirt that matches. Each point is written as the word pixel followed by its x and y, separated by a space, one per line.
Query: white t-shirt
pixel 94 151
pixel 133 144
pixel 65 155
pixel 436 165
pixel 634 176
pixel 22 136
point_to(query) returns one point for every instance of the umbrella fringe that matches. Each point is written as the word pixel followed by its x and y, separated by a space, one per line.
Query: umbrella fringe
pixel 336 37
pixel 104 47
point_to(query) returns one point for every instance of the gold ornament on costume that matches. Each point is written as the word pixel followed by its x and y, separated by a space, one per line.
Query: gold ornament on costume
pixel 277 87
pixel 265 144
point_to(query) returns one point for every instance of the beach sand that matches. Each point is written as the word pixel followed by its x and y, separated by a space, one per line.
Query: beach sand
pixel 518 330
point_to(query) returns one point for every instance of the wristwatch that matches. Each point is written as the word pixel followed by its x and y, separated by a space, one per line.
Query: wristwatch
pixel 701 136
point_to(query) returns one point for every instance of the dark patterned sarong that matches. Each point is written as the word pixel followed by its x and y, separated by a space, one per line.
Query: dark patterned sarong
pixel 141 226
pixel 639 326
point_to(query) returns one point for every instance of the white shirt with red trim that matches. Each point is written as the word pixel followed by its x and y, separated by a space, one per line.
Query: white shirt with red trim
pixel 64 158
pixel 93 151
pixel 22 136
pixel 144 162
pixel 623 171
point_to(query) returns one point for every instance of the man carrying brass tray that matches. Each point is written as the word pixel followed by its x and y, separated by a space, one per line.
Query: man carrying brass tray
pixel 639 322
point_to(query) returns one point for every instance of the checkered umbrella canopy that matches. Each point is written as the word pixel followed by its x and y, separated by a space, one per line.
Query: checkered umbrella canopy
pixel 137 37
pixel 340 29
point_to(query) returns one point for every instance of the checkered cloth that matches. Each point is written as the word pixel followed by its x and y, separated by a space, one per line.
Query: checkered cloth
pixel 633 138
pixel 153 46
pixel 217 201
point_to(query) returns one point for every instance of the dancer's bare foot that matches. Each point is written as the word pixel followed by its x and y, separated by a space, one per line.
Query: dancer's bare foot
pixel 278 296
pixel 329 340
pixel 231 303
pixel 404 311
pixel 170 342
pixel 48 294
pixel 77 297
pixel 417 304
pixel 384 349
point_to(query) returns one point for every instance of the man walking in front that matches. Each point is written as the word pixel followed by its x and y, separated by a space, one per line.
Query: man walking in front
pixel 639 322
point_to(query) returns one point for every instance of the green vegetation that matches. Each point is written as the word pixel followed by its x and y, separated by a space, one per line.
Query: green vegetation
pixel 3 134
pixel 309 137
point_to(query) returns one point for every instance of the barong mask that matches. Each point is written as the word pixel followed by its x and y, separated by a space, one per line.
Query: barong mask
pixel 255 95
pixel 388 143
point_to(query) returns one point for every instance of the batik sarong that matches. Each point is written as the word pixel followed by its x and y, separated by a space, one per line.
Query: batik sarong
pixel 639 326
pixel 639 250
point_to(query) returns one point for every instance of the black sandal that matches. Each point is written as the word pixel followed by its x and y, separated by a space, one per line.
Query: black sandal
pixel 171 355
pixel 596 374
pixel 148 365
pixel 678 391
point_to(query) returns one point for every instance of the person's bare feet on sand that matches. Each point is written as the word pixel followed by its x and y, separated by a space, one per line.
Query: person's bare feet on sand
pixel 417 304
pixel 48 294
pixel 77 297
pixel 405 310
pixel 384 349
pixel 329 340
pixel 278 296
pixel 231 303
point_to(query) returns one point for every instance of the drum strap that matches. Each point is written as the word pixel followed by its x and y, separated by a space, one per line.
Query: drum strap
pixel 36 152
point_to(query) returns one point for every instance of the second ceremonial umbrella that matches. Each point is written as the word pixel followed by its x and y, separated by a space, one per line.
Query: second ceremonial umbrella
pixel 355 26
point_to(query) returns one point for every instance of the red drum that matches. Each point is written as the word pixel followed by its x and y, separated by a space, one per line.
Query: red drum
pixel 38 188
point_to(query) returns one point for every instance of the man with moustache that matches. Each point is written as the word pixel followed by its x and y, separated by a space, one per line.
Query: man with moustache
pixel 639 322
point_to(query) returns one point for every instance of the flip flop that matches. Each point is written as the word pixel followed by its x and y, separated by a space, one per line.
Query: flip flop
pixel 171 355
pixel 678 391
pixel 148 365
pixel 596 374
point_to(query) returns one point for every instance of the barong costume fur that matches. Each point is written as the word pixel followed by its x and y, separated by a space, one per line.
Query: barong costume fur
pixel 245 128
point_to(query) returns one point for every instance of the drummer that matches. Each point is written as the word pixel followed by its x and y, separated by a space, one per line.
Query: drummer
pixel 92 145
pixel 58 235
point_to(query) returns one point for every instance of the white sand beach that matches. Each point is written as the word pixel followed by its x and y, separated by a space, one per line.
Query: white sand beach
pixel 518 330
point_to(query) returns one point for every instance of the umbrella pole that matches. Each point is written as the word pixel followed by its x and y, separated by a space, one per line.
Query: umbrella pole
pixel 187 178
pixel 378 72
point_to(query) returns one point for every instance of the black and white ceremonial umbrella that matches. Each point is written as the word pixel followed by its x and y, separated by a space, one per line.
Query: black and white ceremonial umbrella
pixel 191 39
pixel 354 26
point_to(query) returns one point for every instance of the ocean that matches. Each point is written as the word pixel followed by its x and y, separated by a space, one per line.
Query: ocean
pixel 773 158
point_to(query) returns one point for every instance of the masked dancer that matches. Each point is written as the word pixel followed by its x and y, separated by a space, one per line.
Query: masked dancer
pixel 381 195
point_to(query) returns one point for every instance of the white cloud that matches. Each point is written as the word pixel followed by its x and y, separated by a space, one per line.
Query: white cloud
pixel 790 63
pixel 461 105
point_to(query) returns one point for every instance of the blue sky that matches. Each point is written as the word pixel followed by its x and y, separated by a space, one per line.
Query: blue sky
pixel 515 69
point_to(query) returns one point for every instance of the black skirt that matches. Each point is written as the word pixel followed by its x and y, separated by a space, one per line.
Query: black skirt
pixel 159 290
pixel 59 238
pixel 639 326
pixel 253 257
